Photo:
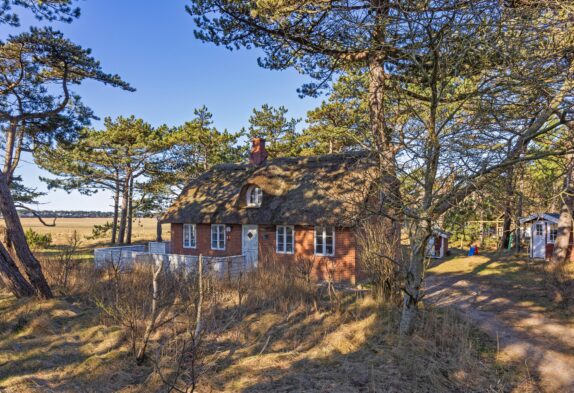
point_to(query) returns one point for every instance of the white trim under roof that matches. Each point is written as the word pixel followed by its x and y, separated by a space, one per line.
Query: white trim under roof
pixel 538 217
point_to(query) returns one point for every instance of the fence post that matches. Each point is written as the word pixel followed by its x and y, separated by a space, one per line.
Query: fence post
pixel 200 297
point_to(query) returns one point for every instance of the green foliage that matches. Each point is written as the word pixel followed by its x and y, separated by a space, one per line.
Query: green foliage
pixel 278 131
pixel 49 10
pixel 38 240
pixel 194 147
pixel 100 231
pixel 341 122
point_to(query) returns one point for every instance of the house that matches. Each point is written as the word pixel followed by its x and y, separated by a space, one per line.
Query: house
pixel 284 210
pixel 437 246
pixel 542 229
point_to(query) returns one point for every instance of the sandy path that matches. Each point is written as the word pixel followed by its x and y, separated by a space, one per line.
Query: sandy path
pixel 544 345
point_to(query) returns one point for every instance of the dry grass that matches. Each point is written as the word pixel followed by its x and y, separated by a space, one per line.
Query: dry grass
pixel 270 331
pixel 58 345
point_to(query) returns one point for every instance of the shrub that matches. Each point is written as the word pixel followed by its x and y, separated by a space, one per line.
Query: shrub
pixel 38 240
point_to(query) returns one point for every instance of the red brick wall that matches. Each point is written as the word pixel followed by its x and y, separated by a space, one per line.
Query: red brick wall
pixel 342 264
pixel 232 241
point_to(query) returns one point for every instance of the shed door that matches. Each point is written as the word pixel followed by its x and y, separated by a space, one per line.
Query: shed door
pixel 538 240
pixel 250 245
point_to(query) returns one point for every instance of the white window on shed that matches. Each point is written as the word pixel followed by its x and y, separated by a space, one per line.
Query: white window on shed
pixel 539 229
pixel 553 233
pixel 189 236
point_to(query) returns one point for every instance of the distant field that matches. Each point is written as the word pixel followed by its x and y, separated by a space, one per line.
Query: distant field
pixel 143 230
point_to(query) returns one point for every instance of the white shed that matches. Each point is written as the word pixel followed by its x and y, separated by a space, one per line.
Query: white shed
pixel 543 229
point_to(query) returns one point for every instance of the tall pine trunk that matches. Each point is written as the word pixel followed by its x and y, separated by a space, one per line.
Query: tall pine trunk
pixel 19 243
pixel 507 220
pixel 389 184
pixel 11 276
pixel 124 210
pixel 116 209
pixel 158 230
pixel 130 213
pixel 560 255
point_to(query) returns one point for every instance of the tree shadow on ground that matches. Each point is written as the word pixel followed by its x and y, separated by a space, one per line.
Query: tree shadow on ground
pixel 358 352
pixel 507 296
pixel 55 345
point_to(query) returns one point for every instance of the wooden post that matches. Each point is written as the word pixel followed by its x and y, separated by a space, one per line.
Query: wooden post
pixel 199 298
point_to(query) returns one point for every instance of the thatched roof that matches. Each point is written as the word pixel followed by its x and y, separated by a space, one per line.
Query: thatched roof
pixel 328 189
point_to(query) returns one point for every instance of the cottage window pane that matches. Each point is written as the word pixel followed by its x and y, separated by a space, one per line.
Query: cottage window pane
pixel 539 229
pixel 218 237
pixel 324 240
pixel 319 243
pixel 189 236
pixel 186 235
pixel 254 196
pixel 329 240
pixel 289 239
pixel 221 237
pixel 280 239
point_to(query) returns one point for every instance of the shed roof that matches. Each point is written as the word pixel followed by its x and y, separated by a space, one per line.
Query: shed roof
pixel 552 217
pixel 317 190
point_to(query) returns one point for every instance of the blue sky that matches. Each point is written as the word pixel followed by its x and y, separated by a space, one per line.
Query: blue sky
pixel 151 45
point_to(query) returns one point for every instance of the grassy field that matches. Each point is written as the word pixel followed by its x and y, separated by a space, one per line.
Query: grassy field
pixel 144 230
pixel 497 268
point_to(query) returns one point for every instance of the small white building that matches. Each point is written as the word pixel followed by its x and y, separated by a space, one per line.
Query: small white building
pixel 542 229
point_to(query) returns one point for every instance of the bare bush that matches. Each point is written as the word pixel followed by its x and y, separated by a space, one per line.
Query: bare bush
pixel 143 300
pixel 374 260
pixel 67 271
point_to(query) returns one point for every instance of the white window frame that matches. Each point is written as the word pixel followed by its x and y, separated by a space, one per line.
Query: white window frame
pixel 324 236
pixel 539 225
pixel 283 229
pixel 259 194
pixel 192 230
pixel 220 229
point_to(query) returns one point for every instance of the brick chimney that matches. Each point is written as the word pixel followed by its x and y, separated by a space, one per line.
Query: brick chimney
pixel 258 153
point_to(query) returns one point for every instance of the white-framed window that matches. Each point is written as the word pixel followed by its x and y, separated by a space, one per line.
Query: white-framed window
pixel 539 228
pixel 189 236
pixel 218 237
pixel 254 196
pixel 553 233
pixel 325 241
pixel 285 237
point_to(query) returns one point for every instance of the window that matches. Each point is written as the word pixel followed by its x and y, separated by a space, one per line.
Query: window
pixel 218 237
pixel 553 233
pixel 254 196
pixel 539 229
pixel 324 241
pixel 285 239
pixel 189 236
